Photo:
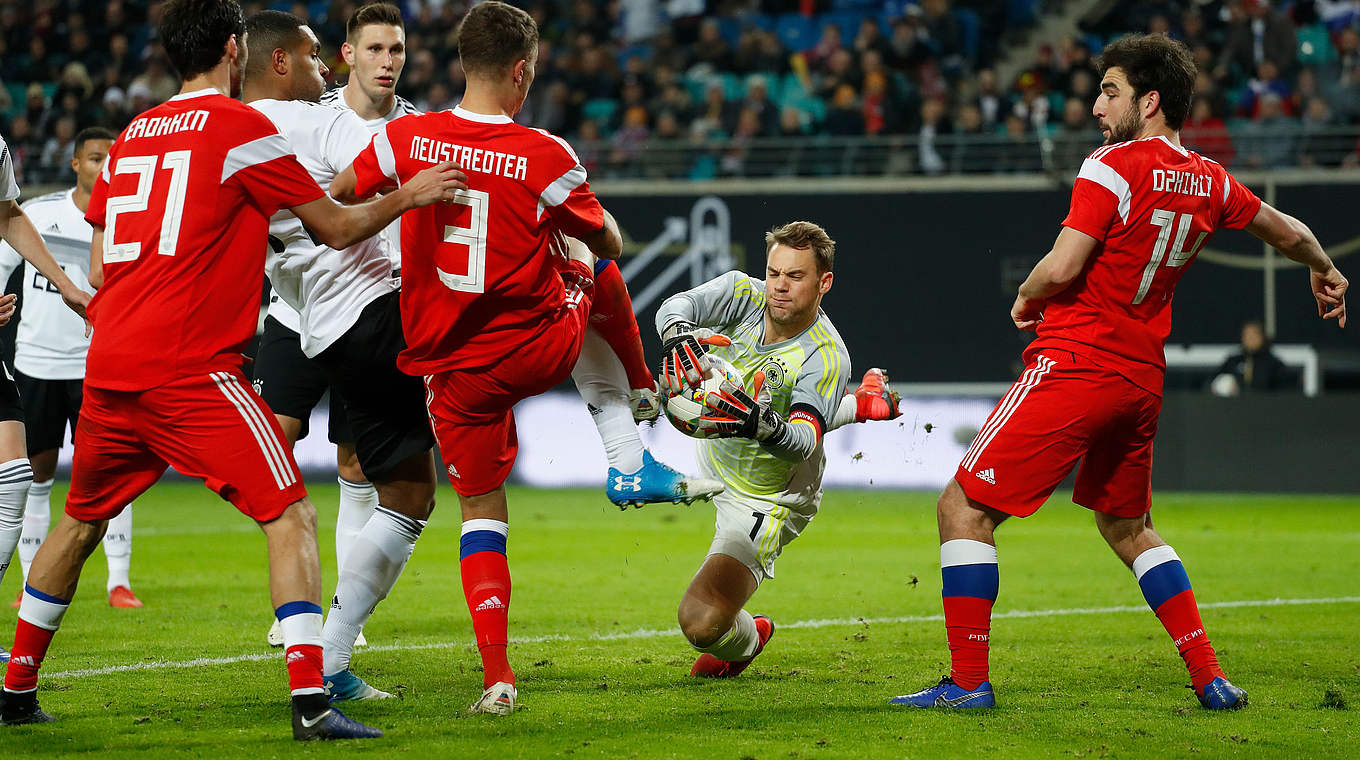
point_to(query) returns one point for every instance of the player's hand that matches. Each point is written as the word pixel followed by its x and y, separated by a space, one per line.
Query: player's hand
pixel 1329 289
pixel 1027 313
pixel 78 299
pixel 438 184
pixel 734 413
pixel 8 303
pixel 683 346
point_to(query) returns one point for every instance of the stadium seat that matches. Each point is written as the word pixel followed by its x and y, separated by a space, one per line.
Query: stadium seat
pixel 600 111
pixel 760 21
pixel 18 94
pixel 865 5
pixel 730 29
pixel 970 27
pixel 1315 45
pixel 733 87
pixel 798 33
pixel 847 20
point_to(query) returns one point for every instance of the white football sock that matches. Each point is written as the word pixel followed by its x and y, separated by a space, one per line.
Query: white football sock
pixel 15 478
pixel 603 383
pixel 37 523
pixel 357 501
pixel 739 643
pixel 118 549
pixel 371 570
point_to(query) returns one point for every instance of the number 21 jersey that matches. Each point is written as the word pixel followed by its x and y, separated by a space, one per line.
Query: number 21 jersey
pixel 185 199
pixel 1152 205
pixel 478 279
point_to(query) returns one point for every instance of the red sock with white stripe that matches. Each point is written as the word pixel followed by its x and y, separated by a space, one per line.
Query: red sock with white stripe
pixel 611 313
pixel 301 625
pixel 486 586
pixel 39 618
pixel 970 582
pixel 1166 587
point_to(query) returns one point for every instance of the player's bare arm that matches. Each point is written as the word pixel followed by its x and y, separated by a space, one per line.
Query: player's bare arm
pixel 606 242
pixel 343 187
pixel 1051 276
pixel 17 230
pixel 342 226
pixel 1292 238
pixel 97 258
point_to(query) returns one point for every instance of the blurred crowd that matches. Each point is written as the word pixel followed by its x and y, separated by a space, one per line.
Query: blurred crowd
pixel 617 75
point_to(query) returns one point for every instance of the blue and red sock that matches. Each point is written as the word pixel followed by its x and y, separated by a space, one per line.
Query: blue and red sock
pixel 486 586
pixel 971 578
pixel 39 618
pixel 300 622
pixel 1166 588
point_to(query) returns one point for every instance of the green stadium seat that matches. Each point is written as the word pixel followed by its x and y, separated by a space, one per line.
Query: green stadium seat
pixel 600 111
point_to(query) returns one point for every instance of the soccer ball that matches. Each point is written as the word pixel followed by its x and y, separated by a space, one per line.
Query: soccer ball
pixel 684 409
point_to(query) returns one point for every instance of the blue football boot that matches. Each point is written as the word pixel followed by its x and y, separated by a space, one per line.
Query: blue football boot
pixel 326 722
pixel 347 687
pixel 4 655
pixel 946 693
pixel 656 483
pixel 1219 694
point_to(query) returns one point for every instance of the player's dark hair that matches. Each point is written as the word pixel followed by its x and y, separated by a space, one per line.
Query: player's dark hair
pixel 194 33
pixel 1155 62
pixel 268 31
pixel 805 236
pixel 494 35
pixel 91 133
pixel 384 14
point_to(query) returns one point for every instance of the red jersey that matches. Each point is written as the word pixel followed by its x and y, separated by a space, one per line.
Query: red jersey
pixel 478 280
pixel 185 199
pixel 1153 206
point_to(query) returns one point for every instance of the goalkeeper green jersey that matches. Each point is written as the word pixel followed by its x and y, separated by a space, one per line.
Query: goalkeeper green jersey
pixel 806 376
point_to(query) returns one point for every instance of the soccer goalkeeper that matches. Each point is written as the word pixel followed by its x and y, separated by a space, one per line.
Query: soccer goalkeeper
pixel 769 453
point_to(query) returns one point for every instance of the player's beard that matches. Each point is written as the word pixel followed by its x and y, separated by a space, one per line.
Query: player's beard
pixel 1126 128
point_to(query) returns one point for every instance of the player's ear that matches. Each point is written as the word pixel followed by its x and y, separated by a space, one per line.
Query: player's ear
pixel 1151 102
pixel 347 53
pixel 279 61
pixel 517 71
pixel 826 279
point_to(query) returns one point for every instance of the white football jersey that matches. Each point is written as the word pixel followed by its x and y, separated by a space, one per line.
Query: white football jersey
pixel 391 235
pixel 326 288
pixel 51 342
pixel 9 189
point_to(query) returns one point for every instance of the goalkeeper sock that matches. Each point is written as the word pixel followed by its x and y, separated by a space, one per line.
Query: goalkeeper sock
pixel 118 550
pixel 39 618
pixel 357 502
pixel 739 643
pixel 37 523
pixel 301 626
pixel 374 563
pixel 969 571
pixel 611 312
pixel 486 585
pixel 1166 588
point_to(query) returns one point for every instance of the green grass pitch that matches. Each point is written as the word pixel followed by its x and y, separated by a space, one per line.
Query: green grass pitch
pixel 1081 668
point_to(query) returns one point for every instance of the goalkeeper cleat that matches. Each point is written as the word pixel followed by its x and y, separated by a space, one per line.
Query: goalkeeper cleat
pixel 497 699
pixel 123 598
pixel 948 694
pixel 327 725
pixel 645 403
pixel 347 687
pixel 874 400
pixel 708 666
pixel 657 483
pixel 1219 694
pixel 275 636
pixel 21 709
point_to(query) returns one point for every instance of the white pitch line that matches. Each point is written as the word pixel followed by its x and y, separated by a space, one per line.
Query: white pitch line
pixel 652 633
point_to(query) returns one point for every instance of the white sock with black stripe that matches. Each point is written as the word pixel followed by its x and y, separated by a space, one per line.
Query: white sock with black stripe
pixel 15 478
pixel 37 523
pixel 375 561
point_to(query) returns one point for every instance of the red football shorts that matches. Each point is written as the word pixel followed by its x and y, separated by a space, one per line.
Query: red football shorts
pixel 211 426
pixel 471 411
pixel 1063 408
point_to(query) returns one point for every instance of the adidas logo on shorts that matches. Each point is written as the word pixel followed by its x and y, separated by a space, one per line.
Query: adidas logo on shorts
pixel 988 475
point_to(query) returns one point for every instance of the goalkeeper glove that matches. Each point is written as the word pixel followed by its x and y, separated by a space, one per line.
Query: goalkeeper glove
pixel 683 346
pixel 733 413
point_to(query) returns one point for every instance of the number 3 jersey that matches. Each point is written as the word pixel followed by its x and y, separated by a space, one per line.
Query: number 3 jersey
pixel 478 277
pixel 51 342
pixel 1152 205
pixel 185 199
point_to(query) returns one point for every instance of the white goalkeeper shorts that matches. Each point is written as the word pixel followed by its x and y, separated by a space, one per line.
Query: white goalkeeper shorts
pixel 754 531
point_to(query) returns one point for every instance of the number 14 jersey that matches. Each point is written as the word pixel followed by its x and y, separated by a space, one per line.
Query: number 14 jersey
pixel 1152 205
pixel 478 278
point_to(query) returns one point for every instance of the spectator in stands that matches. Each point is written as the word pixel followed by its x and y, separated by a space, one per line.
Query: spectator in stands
pixel 626 144
pixel 1268 141
pixel 715 114
pixel 1255 368
pixel 1194 33
pixel 758 102
pixel 1033 105
pixel 992 103
pixel 22 149
pixel 934 124
pixel 945 35
pixel 711 48
pixel 840 70
pixel 819 57
pixel 1076 137
pixel 972 153
pixel 1018 153
pixel 57 153
pixel 1257 33
pixel 1341 78
pixel 844 118
pixel 1207 134
pixel 736 160
pixel 773 58
pixel 1267 80
pixel 160 85
pixel 870 37
pixel 1319 142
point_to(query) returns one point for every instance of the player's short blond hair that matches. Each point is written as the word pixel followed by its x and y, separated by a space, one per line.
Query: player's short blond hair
pixel 805 236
